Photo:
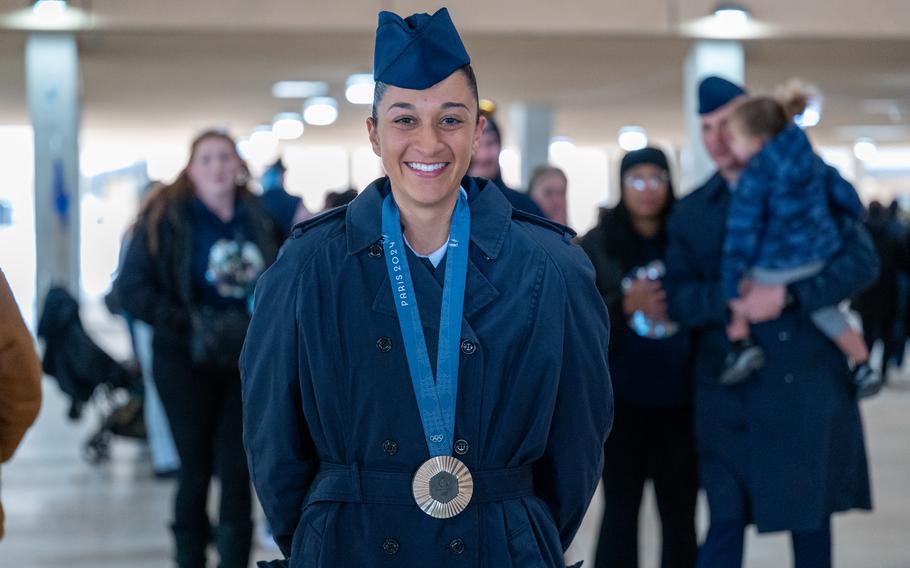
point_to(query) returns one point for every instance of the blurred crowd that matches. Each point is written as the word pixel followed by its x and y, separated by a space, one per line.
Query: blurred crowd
pixel 708 296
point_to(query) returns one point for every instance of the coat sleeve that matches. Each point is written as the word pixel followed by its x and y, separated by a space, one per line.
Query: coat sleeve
pixel 20 375
pixel 744 230
pixel 281 455
pixel 693 299
pixel 842 194
pixel 845 275
pixel 568 472
pixel 139 287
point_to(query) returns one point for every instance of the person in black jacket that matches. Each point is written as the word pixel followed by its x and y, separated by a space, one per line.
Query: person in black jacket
pixel 485 164
pixel 650 363
pixel 879 305
pixel 199 246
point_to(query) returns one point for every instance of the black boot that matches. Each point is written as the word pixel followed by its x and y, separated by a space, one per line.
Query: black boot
pixel 190 546
pixel 234 541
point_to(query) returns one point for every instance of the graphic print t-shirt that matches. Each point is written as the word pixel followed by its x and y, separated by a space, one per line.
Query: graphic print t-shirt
pixel 226 262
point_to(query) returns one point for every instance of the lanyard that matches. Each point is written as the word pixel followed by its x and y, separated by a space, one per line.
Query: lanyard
pixel 435 399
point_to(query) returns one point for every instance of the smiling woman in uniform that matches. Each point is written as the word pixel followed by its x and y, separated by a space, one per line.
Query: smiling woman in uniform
pixel 425 379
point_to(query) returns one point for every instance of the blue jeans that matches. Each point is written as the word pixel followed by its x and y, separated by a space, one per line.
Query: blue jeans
pixel 723 547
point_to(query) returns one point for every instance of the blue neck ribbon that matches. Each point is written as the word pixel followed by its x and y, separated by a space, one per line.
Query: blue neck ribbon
pixel 436 400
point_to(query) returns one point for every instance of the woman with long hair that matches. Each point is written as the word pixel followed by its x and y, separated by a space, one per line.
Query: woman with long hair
pixel 650 364
pixel 199 246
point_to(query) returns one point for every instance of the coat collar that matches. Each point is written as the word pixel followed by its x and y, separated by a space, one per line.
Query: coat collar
pixel 491 214
pixel 716 187
pixel 479 292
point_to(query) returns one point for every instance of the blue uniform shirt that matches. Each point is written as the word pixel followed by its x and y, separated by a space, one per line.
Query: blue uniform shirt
pixel 331 425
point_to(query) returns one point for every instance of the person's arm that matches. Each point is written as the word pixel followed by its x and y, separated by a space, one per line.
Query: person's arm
pixel 567 474
pixel 608 276
pixel 693 300
pixel 845 275
pixel 281 455
pixel 139 288
pixel 842 194
pixel 20 375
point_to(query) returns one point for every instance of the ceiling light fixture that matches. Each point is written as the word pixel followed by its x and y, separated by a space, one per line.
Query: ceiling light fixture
pixel 288 126
pixel 359 89
pixel 732 15
pixel 49 10
pixel 262 145
pixel 864 149
pixel 632 138
pixel 561 147
pixel 320 111
pixel 810 117
pixel 299 89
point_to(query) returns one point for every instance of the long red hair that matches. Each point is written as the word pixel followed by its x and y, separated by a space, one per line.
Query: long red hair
pixel 160 200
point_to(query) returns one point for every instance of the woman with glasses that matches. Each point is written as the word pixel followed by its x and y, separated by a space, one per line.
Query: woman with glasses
pixel 649 358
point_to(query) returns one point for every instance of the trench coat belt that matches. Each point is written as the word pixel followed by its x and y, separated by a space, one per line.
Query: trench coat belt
pixel 351 484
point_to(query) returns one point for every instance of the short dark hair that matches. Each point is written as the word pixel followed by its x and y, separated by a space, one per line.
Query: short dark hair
pixel 380 89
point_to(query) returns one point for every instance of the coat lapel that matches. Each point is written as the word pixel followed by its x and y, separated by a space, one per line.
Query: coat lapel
pixel 479 292
pixel 490 218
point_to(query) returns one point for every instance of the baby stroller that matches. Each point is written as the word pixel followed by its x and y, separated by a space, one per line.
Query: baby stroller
pixel 86 373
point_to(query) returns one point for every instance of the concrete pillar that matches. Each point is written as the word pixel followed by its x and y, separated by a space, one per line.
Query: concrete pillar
pixel 52 81
pixel 532 126
pixel 707 57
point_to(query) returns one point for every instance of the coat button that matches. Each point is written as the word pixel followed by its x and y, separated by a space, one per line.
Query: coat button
pixel 788 378
pixel 384 344
pixel 468 347
pixel 390 546
pixel 783 336
pixel 461 447
pixel 390 447
pixel 376 250
pixel 456 546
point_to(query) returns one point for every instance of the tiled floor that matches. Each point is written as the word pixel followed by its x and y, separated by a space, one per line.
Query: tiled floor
pixel 63 512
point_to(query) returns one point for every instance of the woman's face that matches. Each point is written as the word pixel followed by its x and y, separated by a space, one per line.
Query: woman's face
pixel 645 190
pixel 425 139
pixel 549 193
pixel 214 168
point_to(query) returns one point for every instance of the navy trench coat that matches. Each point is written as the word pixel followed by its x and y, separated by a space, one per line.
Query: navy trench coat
pixel 785 449
pixel 331 426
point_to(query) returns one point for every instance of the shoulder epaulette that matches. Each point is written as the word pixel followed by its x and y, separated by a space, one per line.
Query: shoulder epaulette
pixel 566 232
pixel 304 226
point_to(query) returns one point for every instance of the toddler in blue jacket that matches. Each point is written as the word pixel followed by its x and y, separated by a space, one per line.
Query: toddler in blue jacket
pixel 782 227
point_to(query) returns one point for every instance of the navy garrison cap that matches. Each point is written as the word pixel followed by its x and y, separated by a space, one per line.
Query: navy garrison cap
pixel 418 51
pixel 714 92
